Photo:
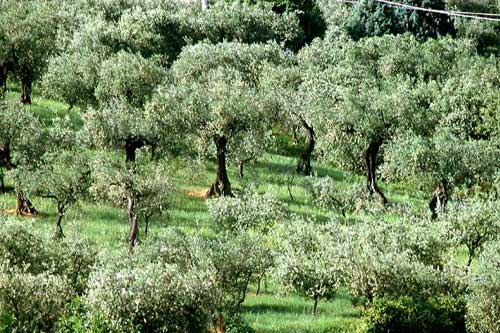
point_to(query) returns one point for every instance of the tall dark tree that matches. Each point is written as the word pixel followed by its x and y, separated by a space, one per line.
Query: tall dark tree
pixel 372 18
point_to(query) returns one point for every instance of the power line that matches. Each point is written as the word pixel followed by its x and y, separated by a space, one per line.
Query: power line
pixel 437 11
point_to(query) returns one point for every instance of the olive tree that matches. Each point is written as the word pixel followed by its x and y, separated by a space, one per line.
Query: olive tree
pixel 61 176
pixel 215 103
pixel 126 81
pixel 284 90
pixel 30 33
pixel 21 145
pixel 311 259
pixel 143 189
pixel 474 223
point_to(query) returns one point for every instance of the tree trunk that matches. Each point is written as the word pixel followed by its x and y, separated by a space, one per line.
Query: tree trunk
pixel 59 230
pixel 26 92
pixel 134 227
pixel 2 183
pixel 204 4
pixel 371 167
pixel 240 169
pixel 221 186
pixel 23 205
pixel 315 306
pixel 3 80
pixel 219 325
pixel 5 160
pixel 304 162
pixel 438 199
pixel 130 148
pixel 146 226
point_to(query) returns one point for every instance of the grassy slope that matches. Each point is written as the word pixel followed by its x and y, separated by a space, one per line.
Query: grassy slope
pixel 107 226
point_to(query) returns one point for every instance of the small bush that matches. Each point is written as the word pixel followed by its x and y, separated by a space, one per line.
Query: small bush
pixel 405 314
pixel 398 259
pixel 32 302
pixel 327 195
pixel 250 211
pixel 237 324
pixel 483 304
pixel 135 296
pixel 35 253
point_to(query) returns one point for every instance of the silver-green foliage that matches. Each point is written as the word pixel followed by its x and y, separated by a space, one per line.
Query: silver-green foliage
pixel 249 211
pixel 32 302
pixel 397 259
pixel 311 259
pixel 474 223
pixel 23 248
pixel 135 295
pixel 483 302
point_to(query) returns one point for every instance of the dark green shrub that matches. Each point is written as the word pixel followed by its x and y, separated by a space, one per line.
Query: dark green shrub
pixel 406 314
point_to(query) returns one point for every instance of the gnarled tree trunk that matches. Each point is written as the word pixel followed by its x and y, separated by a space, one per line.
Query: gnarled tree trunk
pixel 60 215
pixel 24 205
pixel 221 185
pixel 371 167
pixel 304 162
pixel 438 200
pixel 134 227
pixel 26 92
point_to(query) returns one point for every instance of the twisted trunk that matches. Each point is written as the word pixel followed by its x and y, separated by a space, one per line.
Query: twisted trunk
pixel 134 227
pixel 26 91
pixel 304 162
pixel 60 215
pixel 438 200
pixel 371 167
pixel 221 185
pixel 24 205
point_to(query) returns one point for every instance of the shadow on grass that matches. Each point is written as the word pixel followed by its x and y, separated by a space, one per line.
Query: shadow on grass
pixel 278 308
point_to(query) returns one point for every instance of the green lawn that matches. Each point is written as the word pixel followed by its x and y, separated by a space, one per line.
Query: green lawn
pixel 107 226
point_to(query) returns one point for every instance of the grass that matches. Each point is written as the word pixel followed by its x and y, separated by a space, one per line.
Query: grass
pixel 107 226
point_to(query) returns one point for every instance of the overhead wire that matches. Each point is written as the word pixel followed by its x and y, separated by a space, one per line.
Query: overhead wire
pixel 470 15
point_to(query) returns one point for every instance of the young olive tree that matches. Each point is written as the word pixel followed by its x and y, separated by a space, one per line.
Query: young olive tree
pixel 142 188
pixel 62 176
pixel 474 223
pixel 21 145
pixel 216 103
pixel 311 260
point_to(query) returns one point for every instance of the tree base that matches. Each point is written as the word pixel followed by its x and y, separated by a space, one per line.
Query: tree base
pixel 25 207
